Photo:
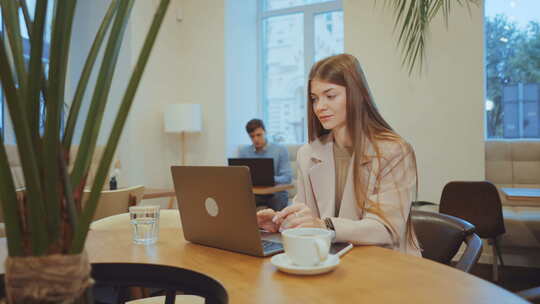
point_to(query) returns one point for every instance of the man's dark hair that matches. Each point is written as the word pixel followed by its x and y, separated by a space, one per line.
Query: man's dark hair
pixel 254 124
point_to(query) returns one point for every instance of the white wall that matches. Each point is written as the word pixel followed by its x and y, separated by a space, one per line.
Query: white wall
pixel 84 31
pixel 186 65
pixel 241 70
pixel 440 112
pixel 88 17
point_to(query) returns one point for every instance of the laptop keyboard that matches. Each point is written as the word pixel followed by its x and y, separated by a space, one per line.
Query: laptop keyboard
pixel 269 246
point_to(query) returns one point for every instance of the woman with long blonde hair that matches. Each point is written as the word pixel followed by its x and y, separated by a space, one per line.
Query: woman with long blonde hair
pixel 356 176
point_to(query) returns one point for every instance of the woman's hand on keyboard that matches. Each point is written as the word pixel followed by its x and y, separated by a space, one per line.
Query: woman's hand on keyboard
pixel 264 220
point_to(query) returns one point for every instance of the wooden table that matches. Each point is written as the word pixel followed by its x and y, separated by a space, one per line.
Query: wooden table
pixel 522 193
pixel 367 274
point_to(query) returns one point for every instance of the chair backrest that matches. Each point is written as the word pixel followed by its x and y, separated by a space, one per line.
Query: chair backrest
pixel 171 279
pixel 476 202
pixel 16 167
pixel 441 236
pixel 114 202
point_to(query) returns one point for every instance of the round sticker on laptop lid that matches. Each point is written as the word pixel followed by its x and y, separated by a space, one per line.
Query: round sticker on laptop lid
pixel 211 206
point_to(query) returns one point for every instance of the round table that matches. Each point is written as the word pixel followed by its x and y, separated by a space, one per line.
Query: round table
pixel 367 274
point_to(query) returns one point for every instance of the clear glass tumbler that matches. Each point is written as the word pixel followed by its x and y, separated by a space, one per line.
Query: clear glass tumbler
pixel 145 224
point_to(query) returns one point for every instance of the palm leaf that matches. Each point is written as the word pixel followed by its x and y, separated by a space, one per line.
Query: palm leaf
pixel 412 18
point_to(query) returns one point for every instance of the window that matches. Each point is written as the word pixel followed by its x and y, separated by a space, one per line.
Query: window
pixel 512 31
pixel 294 34
pixel 26 53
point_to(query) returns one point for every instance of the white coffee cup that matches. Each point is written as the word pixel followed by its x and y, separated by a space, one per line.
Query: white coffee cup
pixel 306 246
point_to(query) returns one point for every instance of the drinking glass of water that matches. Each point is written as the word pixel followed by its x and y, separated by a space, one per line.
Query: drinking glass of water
pixel 145 224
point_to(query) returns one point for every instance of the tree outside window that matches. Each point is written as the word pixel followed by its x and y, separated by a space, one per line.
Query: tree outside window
pixel 512 44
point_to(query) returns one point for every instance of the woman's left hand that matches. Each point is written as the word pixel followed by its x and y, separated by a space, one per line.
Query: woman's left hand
pixel 295 216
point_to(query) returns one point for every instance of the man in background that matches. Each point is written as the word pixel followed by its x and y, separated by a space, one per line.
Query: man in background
pixel 262 148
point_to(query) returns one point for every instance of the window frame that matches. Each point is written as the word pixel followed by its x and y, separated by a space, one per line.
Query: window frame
pixel 309 12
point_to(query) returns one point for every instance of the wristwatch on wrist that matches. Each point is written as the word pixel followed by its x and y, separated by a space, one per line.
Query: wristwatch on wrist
pixel 329 224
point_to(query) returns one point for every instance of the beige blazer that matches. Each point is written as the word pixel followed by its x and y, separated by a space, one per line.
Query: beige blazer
pixel 391 183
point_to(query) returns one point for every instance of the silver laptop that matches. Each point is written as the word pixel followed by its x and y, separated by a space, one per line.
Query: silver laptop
pixel 217 208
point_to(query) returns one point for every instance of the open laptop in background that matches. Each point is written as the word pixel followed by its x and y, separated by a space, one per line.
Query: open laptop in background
pixel 262 169
pixel 217 209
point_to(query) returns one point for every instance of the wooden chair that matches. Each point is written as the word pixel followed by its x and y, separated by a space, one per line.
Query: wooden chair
pixel 441 236
pixel 114 202
pixel 111 202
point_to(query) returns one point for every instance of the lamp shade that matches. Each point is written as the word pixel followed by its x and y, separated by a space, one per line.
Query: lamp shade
pixel 183 117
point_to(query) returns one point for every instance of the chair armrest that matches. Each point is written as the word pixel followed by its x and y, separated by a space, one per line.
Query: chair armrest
pixel 471 254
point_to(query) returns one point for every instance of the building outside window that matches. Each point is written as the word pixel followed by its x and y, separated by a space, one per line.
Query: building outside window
pixel 512 50
pixel 294 35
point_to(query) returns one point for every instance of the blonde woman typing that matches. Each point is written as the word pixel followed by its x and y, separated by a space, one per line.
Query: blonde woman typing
pixel 356 176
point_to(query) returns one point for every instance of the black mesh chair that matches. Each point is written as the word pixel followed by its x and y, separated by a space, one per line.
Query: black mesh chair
pixel 479 204
pixel 172 280
pixel 441 235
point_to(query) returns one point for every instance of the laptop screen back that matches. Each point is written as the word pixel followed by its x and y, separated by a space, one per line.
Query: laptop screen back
pixel 217 207
pixel 261 169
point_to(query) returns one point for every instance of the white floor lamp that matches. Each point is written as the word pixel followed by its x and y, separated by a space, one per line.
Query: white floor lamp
pixel 182 118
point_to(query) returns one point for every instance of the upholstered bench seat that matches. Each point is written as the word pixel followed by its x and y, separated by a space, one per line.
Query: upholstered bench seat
pixel 522 227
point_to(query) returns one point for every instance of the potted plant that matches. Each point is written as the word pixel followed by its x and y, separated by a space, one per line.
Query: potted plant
pixel 46 228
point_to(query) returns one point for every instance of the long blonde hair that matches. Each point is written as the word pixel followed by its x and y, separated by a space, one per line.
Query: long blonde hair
pixel 364 124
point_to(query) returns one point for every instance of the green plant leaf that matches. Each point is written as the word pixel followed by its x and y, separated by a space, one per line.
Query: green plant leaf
pixel 8 199
pixel 37 225
pixel 61 33
pixel 68 192
pixel 114 137
pixel 101 92
pixel 11 20
pixel 86 72
pixel 35 30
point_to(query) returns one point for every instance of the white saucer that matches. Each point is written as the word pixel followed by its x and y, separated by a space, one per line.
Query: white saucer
pixel 283 263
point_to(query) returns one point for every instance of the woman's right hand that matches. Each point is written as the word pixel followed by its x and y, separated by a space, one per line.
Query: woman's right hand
pixel 264 220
